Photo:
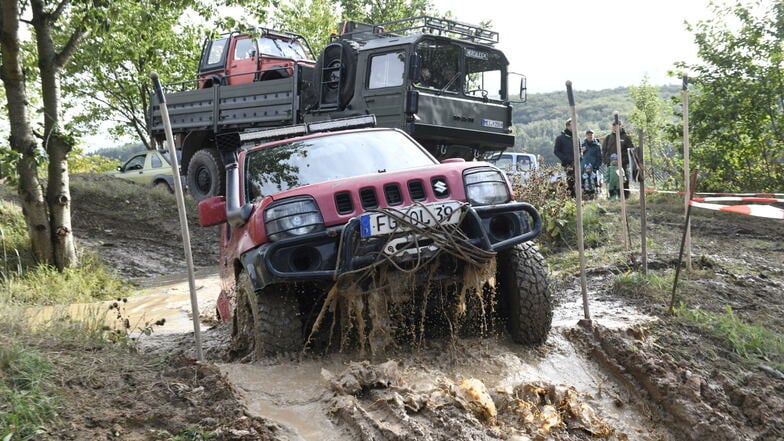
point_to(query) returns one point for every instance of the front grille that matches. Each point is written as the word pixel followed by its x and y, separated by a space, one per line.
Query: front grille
pixel 417 190
pixel 368 198
pixel 343 202
pixel 393 194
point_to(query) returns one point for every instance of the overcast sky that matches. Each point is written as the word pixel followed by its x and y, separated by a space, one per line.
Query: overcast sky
pixel 551 41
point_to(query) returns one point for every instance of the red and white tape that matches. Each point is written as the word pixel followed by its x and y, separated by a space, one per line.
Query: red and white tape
pixel 751 210
pixel 761 195
pixel 740 199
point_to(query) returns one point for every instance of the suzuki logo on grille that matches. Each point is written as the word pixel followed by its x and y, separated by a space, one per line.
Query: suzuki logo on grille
pixel 439 187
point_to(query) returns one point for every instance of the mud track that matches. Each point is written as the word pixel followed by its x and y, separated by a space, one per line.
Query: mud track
pixel 635 372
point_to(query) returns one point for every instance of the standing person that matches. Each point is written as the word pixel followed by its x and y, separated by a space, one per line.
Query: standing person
pixel 612 178
pixel 627 147
pixel 592 152
pixel 565 152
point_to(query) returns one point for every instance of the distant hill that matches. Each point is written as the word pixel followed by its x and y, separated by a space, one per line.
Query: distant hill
pixel 120 153
pixel 538 121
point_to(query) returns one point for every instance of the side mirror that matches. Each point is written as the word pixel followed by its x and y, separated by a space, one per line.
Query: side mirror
pixel 212 211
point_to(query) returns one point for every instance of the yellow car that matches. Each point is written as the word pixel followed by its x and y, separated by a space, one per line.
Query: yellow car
pixel 148 168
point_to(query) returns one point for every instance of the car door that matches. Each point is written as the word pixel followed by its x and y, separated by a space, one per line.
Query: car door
pixel 133 169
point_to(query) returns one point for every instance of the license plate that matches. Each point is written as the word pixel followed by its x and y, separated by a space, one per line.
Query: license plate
pixel 377 224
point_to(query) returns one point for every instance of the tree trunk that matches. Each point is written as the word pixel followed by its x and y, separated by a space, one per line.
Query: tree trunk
pixel 57 145
pixel 21 140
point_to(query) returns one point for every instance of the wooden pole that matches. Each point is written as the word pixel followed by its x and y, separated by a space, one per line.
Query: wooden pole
pixel 578 191
pixel 622 176
pixel 178 192
pixel 686 190
pixel 643 217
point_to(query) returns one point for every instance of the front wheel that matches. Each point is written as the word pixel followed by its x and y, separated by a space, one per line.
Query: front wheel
pixel 206 176
pixel 526 300
pixel 265 322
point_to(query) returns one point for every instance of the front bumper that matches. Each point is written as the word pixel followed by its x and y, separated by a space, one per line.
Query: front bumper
pixel 325 255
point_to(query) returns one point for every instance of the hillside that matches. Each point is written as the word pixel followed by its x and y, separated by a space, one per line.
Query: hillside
pixel 538 121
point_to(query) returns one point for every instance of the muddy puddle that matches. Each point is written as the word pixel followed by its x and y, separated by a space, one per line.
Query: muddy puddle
pixel 421 394
pixel 423 398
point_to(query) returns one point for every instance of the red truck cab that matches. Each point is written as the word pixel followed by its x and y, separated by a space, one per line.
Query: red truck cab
pixel 241 58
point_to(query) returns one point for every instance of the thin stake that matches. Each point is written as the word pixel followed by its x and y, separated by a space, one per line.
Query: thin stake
pixel 178 192
pixel 622 171
pixel 687 191
pixel 643 219
pixel 683 240
pixel 578 191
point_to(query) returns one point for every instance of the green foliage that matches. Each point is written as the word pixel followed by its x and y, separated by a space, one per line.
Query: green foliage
pixel 378 12
pixel 78 162
pixel 652 284
pixel 119 153
pixel 746 340
pixel 45 285
pixel 313 19
pixel 25 404
pixel 558 210
pixel 14 241
pixel 736 113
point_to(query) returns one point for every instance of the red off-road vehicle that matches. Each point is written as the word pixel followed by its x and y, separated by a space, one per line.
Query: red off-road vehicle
pixel 363 233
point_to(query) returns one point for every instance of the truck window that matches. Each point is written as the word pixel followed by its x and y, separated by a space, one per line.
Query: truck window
pixel 441 62
pixel 484 73
pixel 216 50
pixel 386 70
pixel 244 49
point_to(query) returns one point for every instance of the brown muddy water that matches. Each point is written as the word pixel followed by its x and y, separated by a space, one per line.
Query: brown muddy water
pixel 301 396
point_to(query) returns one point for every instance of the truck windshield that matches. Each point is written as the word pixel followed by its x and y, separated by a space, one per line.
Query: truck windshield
pixel 330 157
pixel 484 73
pixel 439 66
pixel 276 47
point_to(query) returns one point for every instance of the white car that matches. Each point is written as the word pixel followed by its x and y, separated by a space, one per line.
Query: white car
pixel 515 163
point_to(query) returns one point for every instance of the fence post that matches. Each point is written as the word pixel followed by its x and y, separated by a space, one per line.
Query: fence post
pixel 643 219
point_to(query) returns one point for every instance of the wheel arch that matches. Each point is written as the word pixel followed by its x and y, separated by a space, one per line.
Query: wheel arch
pixel 193 142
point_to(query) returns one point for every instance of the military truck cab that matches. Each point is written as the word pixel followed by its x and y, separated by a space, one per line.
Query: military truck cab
pixel 441 81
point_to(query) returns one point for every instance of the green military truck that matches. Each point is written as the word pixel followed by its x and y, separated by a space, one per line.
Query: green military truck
pixel 439 80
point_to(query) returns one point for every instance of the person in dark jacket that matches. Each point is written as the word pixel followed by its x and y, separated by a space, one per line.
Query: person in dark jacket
pixel 592 152
pixel 627 147
pixel 565 152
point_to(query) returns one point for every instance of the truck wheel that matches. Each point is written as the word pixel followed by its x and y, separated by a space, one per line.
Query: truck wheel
pixel 266 322
pixel 526 301
pixel 206 177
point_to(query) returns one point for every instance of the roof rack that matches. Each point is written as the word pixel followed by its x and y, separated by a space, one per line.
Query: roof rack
pixel 423 24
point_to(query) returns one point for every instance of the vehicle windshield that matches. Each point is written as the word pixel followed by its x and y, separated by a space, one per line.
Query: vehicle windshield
pixel 330 157
pixel 484 74
pixel 283 48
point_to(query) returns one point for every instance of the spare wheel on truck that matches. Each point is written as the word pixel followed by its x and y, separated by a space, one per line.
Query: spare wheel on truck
pixel 206 177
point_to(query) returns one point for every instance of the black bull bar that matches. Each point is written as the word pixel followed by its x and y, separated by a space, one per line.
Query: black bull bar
pixel 337 245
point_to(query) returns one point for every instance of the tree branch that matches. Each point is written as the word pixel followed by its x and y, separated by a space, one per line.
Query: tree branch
pixel 70 47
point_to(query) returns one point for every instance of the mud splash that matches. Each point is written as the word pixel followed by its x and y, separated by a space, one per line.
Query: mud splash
pixel 385 306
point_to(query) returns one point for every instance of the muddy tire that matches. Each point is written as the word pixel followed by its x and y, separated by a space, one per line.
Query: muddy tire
pixel 206 177
pixel 266 322
pixel 526 300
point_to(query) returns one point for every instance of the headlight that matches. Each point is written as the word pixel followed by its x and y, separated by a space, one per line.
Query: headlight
pixel 292 217
pixel 485 186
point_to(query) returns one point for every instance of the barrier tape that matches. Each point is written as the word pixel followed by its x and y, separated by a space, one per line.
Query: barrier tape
pixel 751 210
pixel 739 199
pixel 762 195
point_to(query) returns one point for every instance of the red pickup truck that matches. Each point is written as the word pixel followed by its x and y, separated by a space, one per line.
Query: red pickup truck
pixel 363 232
